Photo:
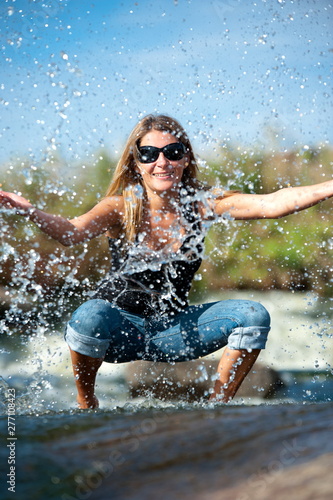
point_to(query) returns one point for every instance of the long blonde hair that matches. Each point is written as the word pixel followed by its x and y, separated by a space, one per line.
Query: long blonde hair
pixel 126 180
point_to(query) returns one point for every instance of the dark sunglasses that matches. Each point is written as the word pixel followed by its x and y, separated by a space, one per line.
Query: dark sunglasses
pixel 173 152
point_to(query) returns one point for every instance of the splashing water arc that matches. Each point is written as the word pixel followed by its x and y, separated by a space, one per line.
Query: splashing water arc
pixel 63 137
pixel 250 83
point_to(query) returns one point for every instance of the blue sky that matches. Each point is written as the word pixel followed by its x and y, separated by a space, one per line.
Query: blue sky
pixel 76 75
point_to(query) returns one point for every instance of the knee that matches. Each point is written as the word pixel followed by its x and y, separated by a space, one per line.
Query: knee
pixel 257 314
pixel 93 318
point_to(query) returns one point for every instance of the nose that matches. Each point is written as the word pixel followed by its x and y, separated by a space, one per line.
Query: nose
pixel 162 160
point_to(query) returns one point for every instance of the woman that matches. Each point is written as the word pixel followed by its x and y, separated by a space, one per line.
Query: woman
pixel 155 215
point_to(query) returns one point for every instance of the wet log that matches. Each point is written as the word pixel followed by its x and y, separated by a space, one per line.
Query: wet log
pixel 227 452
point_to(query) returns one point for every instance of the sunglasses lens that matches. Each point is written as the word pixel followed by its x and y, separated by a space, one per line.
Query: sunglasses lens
pixel 173 152
pixel 148 154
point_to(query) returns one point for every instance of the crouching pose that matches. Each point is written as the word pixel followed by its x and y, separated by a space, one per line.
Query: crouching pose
pixel 155 215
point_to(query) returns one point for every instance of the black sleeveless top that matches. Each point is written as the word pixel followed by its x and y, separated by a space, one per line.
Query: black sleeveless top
pixel 153 283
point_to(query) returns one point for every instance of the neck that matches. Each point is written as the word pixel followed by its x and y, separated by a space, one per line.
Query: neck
pixel 163 203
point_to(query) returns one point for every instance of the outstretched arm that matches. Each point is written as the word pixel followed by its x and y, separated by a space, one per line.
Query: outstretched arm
pixel 104 216
pixel 274 205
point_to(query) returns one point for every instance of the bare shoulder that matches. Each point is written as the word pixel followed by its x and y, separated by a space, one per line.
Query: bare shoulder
pixel 106 215
pixel 111 209
pixel 111 204
pixel 217 201
pixel 229 200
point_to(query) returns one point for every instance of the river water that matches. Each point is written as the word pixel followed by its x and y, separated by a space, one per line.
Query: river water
pixel 143 448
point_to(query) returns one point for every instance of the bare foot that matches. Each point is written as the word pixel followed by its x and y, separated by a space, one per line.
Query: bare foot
pixel 86 404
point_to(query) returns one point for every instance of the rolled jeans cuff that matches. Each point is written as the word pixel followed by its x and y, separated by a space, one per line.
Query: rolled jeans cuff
pixel 90 346
pixel 250 337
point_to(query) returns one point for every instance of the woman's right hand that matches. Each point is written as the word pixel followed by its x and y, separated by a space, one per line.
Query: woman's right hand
pixel 14 201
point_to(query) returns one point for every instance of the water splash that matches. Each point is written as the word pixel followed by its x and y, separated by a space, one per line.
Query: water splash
pixel 58 90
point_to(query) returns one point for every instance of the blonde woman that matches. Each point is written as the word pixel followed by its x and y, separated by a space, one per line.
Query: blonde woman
pixel 155 215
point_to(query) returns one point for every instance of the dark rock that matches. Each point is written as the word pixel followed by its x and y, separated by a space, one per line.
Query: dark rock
pixel 8 296
pixel 262 381
pixel 192 380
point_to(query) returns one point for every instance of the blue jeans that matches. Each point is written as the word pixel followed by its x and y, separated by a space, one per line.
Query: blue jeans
pixel 101 330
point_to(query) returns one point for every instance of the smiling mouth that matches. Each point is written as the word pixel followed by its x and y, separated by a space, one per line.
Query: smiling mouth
pixel 164 174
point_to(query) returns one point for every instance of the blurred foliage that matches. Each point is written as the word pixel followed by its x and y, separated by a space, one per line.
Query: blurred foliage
pixel 289 253
pixel 292 253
